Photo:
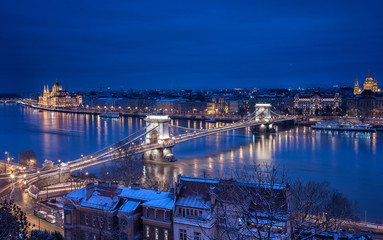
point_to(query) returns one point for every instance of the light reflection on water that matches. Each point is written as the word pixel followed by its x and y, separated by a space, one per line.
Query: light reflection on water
pixel 351 161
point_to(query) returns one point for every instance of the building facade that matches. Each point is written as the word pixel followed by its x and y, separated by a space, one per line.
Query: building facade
pixel 317 103
pixel 195 208
pixel 106 211
pixel 58 98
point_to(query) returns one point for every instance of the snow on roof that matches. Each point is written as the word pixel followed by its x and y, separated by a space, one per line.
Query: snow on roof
pixel 204 180
pixel 166 203
pixel 193 201
pixel 108 198
pixel 100 202
pixel 142 194
pixel 77 194
pixel 129 206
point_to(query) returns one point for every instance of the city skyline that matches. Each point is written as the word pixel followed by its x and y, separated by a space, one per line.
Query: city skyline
pixel 189 46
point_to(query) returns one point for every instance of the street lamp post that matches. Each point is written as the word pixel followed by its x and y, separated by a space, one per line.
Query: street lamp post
pixel 59 171
pixel 13 186
pixel 5 164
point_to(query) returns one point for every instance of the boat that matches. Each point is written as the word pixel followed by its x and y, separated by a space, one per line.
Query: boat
pixel 343 126
pixel 110 115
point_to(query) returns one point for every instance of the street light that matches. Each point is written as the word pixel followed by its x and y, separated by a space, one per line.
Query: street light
pixel 5 164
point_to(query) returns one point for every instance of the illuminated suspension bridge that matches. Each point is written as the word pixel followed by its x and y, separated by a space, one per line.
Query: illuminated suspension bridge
pixel 155 142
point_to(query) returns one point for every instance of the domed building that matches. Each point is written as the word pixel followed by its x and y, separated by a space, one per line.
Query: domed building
pixel 58 98
pixel 366 102
pixel 369 84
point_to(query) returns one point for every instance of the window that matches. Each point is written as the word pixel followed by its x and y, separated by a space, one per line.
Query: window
pixel 109 225
pixel 156 213
pixel 68 218
pixel 180 211
pixel 197 236
pixel 124 222
pixel 86 220
pixel 182 234
pixel 94 221
pixel 147 212
pixel 187 212
pixel 147 231
pixel 156 233
pixel 166 234
pixel 200 213
pixel 166 215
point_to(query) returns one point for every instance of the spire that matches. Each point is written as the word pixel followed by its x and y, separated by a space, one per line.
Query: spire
pixel 57 80
pixel 356 87
pixel 369 74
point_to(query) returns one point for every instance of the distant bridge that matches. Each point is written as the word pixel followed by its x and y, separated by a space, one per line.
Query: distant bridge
pixel 158 141
pixel 6 100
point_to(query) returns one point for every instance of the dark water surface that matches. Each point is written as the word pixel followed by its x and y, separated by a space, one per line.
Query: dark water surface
pixel 352 162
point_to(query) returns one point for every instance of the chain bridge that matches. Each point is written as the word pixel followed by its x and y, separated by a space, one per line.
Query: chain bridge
pixel 155 141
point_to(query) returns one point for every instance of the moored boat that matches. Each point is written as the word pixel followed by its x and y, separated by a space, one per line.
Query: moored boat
pixel 343 126
pixel 110 115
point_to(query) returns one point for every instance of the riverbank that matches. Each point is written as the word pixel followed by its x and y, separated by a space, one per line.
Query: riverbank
pixel 139 115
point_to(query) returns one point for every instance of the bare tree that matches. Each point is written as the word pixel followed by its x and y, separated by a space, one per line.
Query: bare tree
pixel 126 170
pixel 316 207
pixel 252 205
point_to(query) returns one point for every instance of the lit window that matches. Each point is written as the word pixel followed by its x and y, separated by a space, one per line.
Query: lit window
pixel 182 234
pixel 147 231
pixel 166 234
pixel 156 233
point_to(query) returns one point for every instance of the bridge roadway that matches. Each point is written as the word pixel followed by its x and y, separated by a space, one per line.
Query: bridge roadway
pixel 5 100
pixel 126 148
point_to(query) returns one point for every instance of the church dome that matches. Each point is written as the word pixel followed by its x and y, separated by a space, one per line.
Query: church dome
pixel 56 87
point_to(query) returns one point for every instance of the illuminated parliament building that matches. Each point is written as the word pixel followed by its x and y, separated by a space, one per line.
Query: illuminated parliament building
pixel 58 98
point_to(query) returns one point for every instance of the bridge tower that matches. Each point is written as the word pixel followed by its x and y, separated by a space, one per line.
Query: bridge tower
pixel 263 111
pixel 159 124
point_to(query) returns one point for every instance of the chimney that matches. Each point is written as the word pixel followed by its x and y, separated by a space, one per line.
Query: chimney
pixel 135 186
pixel 171 193
pixel 212 195
pixel 156 188
pixel 89 189
pixel 103 184
pixel 114 184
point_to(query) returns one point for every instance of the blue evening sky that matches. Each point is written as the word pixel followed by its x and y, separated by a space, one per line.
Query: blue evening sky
pixel 188 44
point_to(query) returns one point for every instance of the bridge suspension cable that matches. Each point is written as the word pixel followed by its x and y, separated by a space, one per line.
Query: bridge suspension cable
pixel 277 114
pixel 192 129
pixel 119 144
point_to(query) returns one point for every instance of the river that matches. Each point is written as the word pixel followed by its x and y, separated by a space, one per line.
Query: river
pixel 351 161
